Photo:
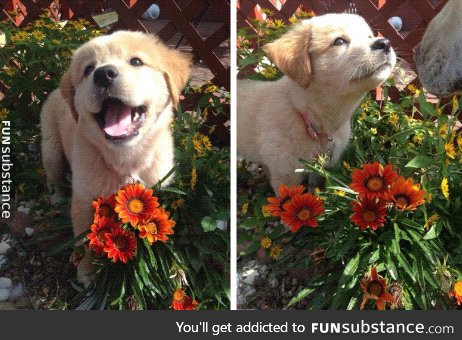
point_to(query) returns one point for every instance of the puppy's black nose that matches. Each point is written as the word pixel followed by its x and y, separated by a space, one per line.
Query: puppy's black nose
pixel 381 44
pixel 105 75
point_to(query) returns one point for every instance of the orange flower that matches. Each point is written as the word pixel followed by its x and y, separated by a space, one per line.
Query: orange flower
pixel 158 227
pixel 302 210
pixel 98 231
pixel 373 180
pixel 375 288
pixel 369 213
pixel 406 195
pixel 275 206
pixel 181 301
pixel 104 207
pixel 135 204
pixel 457 292
pixel 120 245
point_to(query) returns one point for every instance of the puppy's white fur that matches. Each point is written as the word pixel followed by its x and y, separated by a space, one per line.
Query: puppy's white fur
pixel 70 131
pixel 438 58
pixel 323 79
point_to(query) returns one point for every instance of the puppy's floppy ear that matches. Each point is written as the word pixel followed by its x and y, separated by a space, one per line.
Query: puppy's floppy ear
pixel 290 53
pixel 177 67
pixel 68 91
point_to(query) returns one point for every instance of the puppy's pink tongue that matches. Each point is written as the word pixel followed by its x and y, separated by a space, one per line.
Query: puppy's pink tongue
pixel 118 119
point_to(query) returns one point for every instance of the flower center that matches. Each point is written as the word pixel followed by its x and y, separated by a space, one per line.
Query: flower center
pixel 120 243
pixel 402 200
pixel 151 228
pixel 304 215
pixel 178 295
pixel 104 211
pixel 100 236
pixel 375 288
pixel 369 215
pixel 135 206
pixel 375 183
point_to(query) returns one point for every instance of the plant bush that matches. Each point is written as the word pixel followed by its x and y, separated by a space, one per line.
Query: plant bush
pixel 193 264
pixel 416 250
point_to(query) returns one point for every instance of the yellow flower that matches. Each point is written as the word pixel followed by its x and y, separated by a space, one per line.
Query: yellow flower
pixel 211 88
pixel 450 150
pixel 193 178
pixel 459 141
pixel 245 208
pixel 417 139
pixel 269 72
pixel 21 35
pixel 201 144
pixel 455 104
pixel 275 251
pixel 346 165
pixel 443 131
pixel 265 242
pixel 393 119
pixel 3 114
pixel 431 220
pixel 445 188
pixel 39 35
pixel 265 212
pixel 414 90
pixel 55 41
pixel 374 131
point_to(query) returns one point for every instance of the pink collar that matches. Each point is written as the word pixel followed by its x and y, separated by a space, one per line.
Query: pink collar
pixel 312 132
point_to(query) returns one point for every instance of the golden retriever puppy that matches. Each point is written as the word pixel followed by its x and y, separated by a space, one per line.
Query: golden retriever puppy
pixel 110 119
pixel 330 62
pixel 438 56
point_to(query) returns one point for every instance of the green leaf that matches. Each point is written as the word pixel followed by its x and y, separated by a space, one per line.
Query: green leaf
pixel 420 161
pixel 300 296
pixel 434 232
pixel 208 224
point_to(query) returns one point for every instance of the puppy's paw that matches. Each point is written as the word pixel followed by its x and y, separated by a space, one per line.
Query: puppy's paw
pixel 84 272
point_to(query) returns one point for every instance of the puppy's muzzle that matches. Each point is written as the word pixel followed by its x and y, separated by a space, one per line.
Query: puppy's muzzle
pixel 104 76
pixel 382 44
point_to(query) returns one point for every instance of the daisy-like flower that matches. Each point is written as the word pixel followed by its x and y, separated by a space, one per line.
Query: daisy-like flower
pixel 405 195
pixel 457 292
pixel 104 207
pixel 135 204
pixel 450 150
pixel 445 187
pixel 375 288
pixel 158 227
pixel 181 301
pixel 275 206
pixel 99 229
pixel 120 245
pixel 373 180
pixel 265 242
pixel 369 213
pixel 302 210
pixel 275 251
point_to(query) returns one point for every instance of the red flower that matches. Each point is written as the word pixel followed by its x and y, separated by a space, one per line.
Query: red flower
pixel 302 210
pixel 275 206
pixel 373 180
pixel 104 207
pixel 120 245
pixel 457 292
pixel 181 301
pixel 158 227
pixel 405 195
pixel 98 231
pixel 369 213
pixel 375 288
pixel 135 203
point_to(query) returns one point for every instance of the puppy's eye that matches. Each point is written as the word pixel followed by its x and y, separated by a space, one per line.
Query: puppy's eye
pixel 136 62
pixel 88 70
pixel 340 42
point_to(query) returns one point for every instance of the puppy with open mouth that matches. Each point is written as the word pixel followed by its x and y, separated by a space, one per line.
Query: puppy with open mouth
pixel 330 62
pixel 110 120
